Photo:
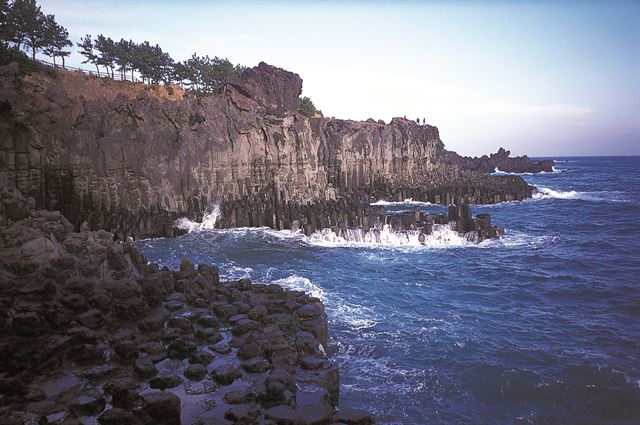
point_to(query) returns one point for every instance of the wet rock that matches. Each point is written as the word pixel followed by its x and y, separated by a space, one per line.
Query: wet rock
pixel 316 414
pixel 209 335
pixel 257 313
pixel 226 310
pixel 88 354
pixel 126 349
pixel 306 342
pixel 151 324
pixel 225 374
pixel 248 351
pixel 163 407
pixel 208 321
pixel 256 365
pixel 165 381
pixel 181 348
pixel 145 368
pixel 87 404
pixel 195 372
pixel 284 415
pixel 117 416
pixel 28 324
pixel 242 396
pixel 311 363
pixel 93 319
pixel 352 416
pixel 201 357
pixel 180 322
pixel 123 392
pixel 242 414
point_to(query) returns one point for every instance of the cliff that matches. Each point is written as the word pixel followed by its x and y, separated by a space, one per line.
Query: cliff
pixel 131 159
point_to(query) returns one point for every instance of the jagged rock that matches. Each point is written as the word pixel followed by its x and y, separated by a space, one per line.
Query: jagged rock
pixel 163 407
pixel 225 375
pixel 195 372
pixel 144 367
pixel 352 416
pixel 116 416
pixel 201 357
pixel 165 381
pixel 284 415
pixel 500 160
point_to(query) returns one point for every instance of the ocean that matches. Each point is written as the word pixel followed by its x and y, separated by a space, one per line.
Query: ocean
pixel 539 327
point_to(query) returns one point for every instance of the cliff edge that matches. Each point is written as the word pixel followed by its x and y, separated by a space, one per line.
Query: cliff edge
pixel 131 158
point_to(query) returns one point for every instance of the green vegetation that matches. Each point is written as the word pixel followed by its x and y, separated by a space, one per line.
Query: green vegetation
pixel 306 106
pixel 23 26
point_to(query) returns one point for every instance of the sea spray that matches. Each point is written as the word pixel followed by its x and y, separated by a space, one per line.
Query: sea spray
pixel 209 220
pixel 443 235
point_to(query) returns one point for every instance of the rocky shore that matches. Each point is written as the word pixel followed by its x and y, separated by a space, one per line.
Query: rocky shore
pixel 500 160
pixel 92 333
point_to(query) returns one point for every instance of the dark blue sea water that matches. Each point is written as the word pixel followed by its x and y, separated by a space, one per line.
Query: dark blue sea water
pixel 540 327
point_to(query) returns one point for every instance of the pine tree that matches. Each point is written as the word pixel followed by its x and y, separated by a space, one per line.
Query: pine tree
pixel 86 44
pixel 7 32
pixel 29 24
pixel 107 49
pixel 57 39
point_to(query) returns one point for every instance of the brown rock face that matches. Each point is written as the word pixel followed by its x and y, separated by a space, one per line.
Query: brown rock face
pixel 271 88
pixel 132 159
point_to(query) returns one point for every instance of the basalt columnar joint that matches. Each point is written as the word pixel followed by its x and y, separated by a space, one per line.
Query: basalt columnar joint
pixel 132 159
pixel 377 223
pixel 92 332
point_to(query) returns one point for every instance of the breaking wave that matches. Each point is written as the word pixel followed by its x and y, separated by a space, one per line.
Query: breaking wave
pixel 209 221
pixel 353 315
pixel 299 283
pixel 443 236
pixel 547 193
pixel 408 201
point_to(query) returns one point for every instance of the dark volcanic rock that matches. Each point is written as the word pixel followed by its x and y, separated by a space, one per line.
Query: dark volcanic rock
pixel 66 356
pixel 500 160
pixel 132 159
pixel 163 407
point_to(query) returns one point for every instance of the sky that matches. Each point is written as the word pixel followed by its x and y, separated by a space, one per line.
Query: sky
pixel 539 78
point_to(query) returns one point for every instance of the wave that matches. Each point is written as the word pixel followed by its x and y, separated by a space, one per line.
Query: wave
pixel 353 315
pixel 299 283
pixel 547 193
pixel 603 196
pixel 209 221
pixel 498 172
pixel 408 201
pixel 443 236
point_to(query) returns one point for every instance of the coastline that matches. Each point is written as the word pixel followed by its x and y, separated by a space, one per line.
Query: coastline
pixel 120 341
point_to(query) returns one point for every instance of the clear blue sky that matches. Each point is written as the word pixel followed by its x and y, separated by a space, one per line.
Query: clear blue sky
pixel 541 78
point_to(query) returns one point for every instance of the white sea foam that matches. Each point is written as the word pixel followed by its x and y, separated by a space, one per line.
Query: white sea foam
pixel 443 236
pixel 299 283
pixel 547 193
pixel 209 221
pixel 498 172
pixel 408 201
pixel 353 315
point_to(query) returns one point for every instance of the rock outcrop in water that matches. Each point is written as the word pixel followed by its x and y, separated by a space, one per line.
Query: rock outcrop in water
pixel 132 159
pixel 92 333
pixel 380 227
pixel 500 160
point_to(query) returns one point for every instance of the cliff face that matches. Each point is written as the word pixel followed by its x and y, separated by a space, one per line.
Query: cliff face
pixel 132 159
